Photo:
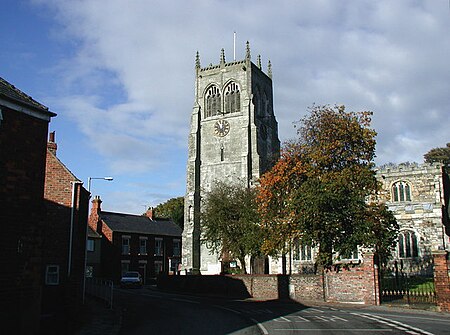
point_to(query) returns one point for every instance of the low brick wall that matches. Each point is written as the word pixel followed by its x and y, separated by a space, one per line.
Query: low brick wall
pixel 354 284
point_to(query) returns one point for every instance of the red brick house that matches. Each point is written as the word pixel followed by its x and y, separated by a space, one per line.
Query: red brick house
pixel 67 207
pixel 93 249
pixel 23 141
pixel 136 243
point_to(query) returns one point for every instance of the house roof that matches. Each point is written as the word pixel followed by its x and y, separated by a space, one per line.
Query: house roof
pixel 130 223
pixel 92 233
pixel 13 94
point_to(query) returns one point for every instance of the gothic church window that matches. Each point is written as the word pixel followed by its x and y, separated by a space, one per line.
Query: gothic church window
pixel 407 244
pixel 232 98
pixel 302 252
pixel 213 101
pixel 401 191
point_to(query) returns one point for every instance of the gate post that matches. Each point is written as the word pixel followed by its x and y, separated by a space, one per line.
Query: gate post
pixel 441 280
pixel 372 272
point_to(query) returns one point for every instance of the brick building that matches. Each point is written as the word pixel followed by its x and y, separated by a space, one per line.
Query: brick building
pixel 135 243
pixel 93 255
pixel 67 206
pixel 23 136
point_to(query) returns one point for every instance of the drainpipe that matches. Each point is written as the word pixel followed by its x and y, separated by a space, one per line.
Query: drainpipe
pixel 72 219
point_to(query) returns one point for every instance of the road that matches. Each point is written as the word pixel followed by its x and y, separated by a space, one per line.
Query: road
pixel 151 312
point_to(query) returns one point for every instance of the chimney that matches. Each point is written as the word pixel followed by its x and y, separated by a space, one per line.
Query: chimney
pixel 51 144
pixel 149 213
pixel 95 221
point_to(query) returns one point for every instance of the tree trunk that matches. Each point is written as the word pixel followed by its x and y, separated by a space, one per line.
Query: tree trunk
pixel 244 268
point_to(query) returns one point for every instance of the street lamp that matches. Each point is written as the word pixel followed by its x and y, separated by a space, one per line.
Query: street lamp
pixel 103 178
pixel 86 240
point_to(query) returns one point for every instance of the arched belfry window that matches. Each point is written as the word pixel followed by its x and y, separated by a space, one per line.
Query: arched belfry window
pixel 407 244
pixel 232 98
pixel 213 101
pixel 401 191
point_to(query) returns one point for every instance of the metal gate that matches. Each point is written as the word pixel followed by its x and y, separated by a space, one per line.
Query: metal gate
pixel 409 282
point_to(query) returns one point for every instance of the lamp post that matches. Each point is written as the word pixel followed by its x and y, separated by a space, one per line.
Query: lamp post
pixel 87 225
pixel 103 178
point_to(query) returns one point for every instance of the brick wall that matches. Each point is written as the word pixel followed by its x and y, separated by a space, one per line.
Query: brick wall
pixel 22 166
pixel 441 279
pixel 64 241
pixel 355 284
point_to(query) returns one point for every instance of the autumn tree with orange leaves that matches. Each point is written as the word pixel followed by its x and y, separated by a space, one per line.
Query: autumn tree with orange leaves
pixel 319 189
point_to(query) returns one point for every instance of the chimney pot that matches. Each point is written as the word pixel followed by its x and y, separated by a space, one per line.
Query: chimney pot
pixel 51 144
pixel 149 213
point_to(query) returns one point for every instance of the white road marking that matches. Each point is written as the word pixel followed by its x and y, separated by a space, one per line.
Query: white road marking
pixel 396 324
pixel 260 325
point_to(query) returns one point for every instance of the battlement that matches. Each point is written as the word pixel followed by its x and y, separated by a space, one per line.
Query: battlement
pixel 405 168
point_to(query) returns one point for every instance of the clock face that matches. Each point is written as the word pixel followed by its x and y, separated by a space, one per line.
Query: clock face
pixel 221 128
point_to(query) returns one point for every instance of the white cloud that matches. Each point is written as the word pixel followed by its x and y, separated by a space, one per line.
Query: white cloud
pixel 129 86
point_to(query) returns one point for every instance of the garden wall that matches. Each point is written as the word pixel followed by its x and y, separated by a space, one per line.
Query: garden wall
pixel 357 283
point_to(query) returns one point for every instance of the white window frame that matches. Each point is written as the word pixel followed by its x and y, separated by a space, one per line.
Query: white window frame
pixel 52 275
pixel 126 247
pixel 159 245
pixel 177 250
pixel 143 245
pixel 90 245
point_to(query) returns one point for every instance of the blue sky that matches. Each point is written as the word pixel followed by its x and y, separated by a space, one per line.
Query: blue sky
pixel 120 76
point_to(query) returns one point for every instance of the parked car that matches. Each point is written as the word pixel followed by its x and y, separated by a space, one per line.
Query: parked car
pixel 131 279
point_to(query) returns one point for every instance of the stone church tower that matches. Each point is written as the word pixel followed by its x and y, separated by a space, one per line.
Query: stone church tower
pixel 233 138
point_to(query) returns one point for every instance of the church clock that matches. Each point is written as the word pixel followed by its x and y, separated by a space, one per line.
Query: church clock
pixel 221 128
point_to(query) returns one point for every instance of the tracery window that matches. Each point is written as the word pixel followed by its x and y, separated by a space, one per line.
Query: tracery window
pixel 302 252
pixel 213 101
pixel 407 244
pixel 401 191
pixel 232 98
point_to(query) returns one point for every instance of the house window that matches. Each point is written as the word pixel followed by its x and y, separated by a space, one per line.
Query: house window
pixel 176 247
pixel 407 244
pixel 302 252
pixel 401 191
pixel 125 266
pixel 213 101
pixel 143 246
pixel 52 275
pixel 158 267
pixel 90 244
pixel 232 98
pixel 89 271
pixel 158 246
pixel 125 245
pixel 350 256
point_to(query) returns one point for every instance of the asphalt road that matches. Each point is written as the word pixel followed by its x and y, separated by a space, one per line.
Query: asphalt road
pixel 151 312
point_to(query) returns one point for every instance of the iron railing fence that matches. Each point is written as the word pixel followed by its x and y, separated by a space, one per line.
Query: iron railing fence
pixel 101 288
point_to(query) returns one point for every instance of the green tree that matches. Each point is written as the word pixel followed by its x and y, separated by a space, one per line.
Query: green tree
pixel 230 221
pixel 441 155
pixel 172 209
pixel 333 204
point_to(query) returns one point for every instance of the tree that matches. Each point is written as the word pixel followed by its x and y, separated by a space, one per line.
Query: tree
pixel 172 209
pixel 229 221
pixel 318 191
pixel 441 155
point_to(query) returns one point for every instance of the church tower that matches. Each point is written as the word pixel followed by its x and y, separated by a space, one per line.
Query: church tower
pixel 233 138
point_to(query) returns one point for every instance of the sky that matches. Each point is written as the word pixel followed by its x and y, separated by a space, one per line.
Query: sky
pixel 120 75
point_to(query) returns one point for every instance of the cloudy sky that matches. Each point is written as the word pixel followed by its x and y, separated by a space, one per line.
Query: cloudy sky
pixel 120 76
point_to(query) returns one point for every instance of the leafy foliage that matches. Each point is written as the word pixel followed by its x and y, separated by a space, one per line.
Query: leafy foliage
pixel 441 155
pixel 230 221
pixel 172 209
pixel 318 190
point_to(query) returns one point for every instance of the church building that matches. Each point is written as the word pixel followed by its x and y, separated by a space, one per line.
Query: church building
pixel 233 138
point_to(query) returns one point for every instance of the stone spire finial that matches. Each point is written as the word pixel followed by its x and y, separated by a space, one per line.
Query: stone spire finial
pixel 197 60
pixel 222 56
pixel 258 62
pixel 247 53
pixel 269 69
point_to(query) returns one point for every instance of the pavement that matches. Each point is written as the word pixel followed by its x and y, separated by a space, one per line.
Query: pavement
pixel 100 319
